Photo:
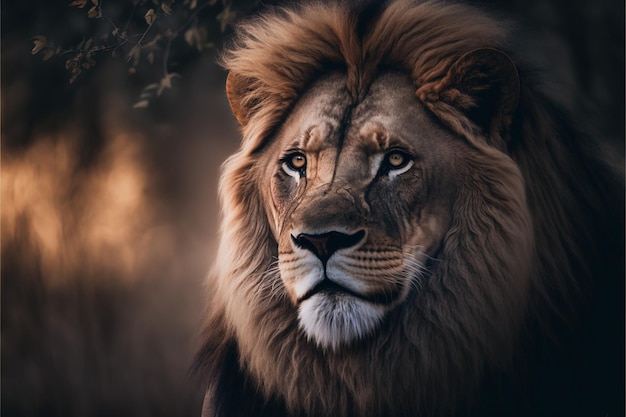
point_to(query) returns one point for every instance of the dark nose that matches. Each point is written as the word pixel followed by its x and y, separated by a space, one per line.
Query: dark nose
pixel 325 244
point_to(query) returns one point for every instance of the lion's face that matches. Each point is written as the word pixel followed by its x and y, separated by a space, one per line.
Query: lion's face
pixel 360 201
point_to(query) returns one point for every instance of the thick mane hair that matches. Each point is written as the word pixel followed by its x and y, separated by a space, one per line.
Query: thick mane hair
pixel 563 323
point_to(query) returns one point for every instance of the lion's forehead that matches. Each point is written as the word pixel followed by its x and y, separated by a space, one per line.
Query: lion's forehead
pixel 318 116
pixel 333 129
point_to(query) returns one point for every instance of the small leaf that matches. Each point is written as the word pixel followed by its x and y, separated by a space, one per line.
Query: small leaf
pixel 197 37
pixel 190 35
pixel 141 104
pixel 95 13
pixel 225 17
pixel 78 3
pixel 115 31
pixel 150 87
pixel 88 43
pixel 40 43
pixel 95 2
pixel 134 54
pixel 48 54
pixel 166 8
pixel 148 91
pixel 166 82
pixel 75 73
pixel 150 16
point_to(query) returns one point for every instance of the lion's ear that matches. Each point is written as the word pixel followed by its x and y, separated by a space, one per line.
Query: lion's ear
pixel 484 86
pixel 236 89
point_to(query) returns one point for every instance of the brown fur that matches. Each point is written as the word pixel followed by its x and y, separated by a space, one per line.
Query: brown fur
pixel 520 247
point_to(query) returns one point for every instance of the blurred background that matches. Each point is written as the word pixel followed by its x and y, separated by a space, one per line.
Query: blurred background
pixel 109 205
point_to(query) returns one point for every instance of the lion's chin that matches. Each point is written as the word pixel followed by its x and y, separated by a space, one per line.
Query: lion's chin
pixel 333 320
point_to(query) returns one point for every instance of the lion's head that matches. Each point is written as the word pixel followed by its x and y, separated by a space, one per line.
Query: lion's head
pixel 380 254
pixel 364 198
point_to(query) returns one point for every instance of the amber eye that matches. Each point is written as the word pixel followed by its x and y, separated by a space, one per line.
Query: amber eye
pixel 297 161
pixel 397 159
pixel 294 164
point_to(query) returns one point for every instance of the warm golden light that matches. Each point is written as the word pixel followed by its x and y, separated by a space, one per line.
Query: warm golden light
pixel 76 216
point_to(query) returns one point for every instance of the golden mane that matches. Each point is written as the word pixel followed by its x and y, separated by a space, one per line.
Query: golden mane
pixel 276 55
pixel 570 201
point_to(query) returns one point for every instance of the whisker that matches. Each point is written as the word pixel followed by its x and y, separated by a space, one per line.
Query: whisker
pixel 271 285
pixel 415 268
pixel 412 250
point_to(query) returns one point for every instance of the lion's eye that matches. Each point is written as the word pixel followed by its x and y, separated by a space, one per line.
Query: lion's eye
pixel 295 164
pixel 297 161
pixel 397 159
pixel 397 162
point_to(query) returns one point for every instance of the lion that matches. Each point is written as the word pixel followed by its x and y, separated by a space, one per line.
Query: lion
pixel 410 227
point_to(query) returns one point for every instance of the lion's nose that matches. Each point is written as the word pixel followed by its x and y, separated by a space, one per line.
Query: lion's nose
pixel 325 244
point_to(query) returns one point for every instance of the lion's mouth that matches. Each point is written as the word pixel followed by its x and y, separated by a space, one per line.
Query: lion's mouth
pixel 330 288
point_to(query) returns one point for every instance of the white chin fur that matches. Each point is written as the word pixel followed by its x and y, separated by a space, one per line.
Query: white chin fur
pixel 337 319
